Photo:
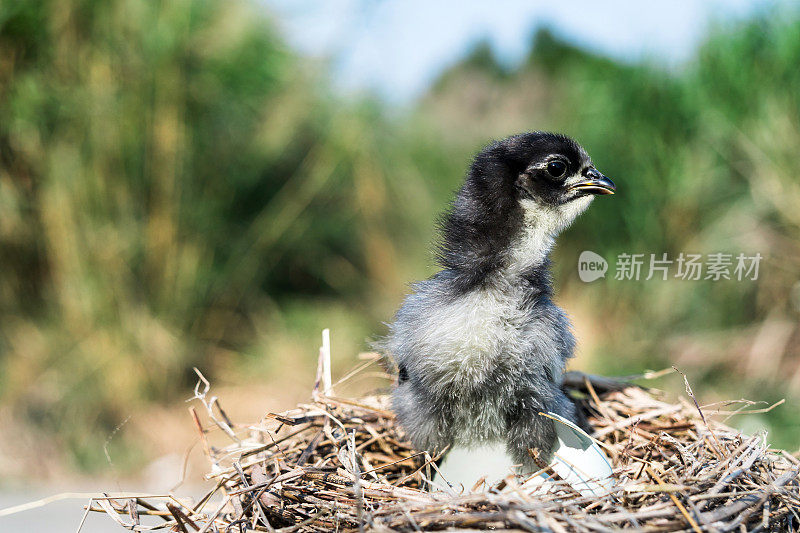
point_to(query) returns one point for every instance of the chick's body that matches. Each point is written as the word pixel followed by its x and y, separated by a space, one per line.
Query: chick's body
pixel 480 346
pixel 485 368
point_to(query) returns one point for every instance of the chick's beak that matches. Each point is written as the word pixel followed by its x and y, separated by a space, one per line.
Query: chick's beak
pixel 594 183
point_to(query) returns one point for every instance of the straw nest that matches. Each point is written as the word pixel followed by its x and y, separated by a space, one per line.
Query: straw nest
pixel 340 464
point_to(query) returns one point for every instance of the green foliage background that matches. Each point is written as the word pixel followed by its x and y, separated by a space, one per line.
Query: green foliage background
pixel 178 189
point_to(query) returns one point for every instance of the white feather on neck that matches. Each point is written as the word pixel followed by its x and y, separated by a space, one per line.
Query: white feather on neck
pixel 541 225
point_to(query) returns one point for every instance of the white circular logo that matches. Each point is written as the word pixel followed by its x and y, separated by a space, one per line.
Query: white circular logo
pixel 591 266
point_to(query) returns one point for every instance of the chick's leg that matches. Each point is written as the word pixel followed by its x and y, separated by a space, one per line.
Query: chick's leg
pixel 425 420
pixel 528 430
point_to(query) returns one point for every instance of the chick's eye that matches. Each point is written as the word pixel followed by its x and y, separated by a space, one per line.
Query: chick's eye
pixel 556 168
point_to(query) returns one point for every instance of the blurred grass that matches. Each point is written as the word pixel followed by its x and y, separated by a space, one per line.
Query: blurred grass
pixel 170 172
pixel 178 189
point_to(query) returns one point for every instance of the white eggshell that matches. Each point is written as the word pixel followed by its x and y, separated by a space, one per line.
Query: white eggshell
pixel 577 459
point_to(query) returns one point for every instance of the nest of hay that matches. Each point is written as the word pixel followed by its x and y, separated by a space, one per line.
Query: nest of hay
pixel 340 464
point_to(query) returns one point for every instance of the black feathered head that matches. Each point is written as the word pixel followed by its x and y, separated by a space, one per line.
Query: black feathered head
pixel 536 179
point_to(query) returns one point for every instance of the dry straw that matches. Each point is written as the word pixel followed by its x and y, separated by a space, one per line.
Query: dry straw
pixel 340 464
